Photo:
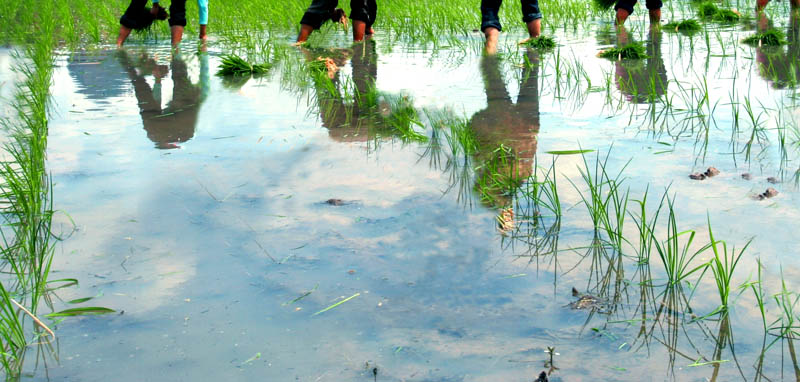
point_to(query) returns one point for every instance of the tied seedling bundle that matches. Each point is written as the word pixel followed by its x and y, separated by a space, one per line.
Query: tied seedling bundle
pixel 707 9
pixel 685 26
pixel 541 42
pixel 233 65
pixel 771 37
pixel 631 51
pixel 726 16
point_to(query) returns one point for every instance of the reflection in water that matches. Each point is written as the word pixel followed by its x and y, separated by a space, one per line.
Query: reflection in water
pixel 506 132
pixel 779 66
pixel 643 81
pixel 175 123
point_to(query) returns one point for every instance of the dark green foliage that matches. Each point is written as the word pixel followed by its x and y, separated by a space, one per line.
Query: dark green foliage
pixel 603 4
pixel 233 65
pixel 707 9
pixel 541 42
pixel 771 37
pixel 726 16
pixel 632 51
pixel 685 26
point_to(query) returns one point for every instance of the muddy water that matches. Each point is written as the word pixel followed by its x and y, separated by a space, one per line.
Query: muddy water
pixel 199 215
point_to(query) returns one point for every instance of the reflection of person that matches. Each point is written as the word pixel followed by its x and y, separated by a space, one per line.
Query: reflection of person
pixel 352 122
pixel 490 20
pixel 362 12
pixel 502 122
pixel 761 4
pixel 781 67
pixel 138 17
pixel 624 8
pixel 643 82
pixel 176 122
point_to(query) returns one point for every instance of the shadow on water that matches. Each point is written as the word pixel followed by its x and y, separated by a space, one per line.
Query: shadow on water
pixel 175 123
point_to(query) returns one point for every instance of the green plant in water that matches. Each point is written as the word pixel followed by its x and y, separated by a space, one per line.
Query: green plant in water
pixel 726 16
pixel 541 42
pixel 603 5
pixel 723 264
pixel 233 65
pixel 631 51
pixel 675 252
pixel 707 9
pixel 685 26
pixel 771 37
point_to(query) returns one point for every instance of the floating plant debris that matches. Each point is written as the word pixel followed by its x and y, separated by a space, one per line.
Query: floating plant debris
pixel 233 65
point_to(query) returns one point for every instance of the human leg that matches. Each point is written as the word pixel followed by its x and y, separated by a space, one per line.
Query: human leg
pixel 532 17
pixel 317 13
pixel 131 19
pixel 654 9
pixel 624 8
pixel 490 23
pixel 177 20
pixel 363 16
pixel 202 10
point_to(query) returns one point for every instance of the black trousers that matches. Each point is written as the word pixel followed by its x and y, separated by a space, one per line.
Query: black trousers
pixel 137 16
pixel 177 13
pixel 628 5
pixel 364 10
pixel 321 11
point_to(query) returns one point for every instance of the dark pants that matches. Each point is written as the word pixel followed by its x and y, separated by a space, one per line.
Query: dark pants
pixel 177 13
pixel 319 12
pixel 491 8
pixel 628 5
pixel 364 10
pixel 137 16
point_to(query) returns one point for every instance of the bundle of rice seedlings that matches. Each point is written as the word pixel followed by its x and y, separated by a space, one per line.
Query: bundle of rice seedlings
pixel 686 26
pixel 771 37
pixel 603 5
pixel 707 9
pixel 541 42
pixel 631 51
pixel 727 16
pixel 233 65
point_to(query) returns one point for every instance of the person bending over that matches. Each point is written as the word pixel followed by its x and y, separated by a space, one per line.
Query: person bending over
pixel 363 13
pixel 139 17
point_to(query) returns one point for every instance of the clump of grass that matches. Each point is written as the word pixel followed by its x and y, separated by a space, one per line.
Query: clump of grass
pixel 233 65
pixel 541 42
pixel 707 9
pixel 726 16
pixel 631 51
pixel 686 26
pixel 771 37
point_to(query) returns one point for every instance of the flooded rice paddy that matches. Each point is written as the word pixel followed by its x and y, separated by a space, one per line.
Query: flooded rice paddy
pixel 222 218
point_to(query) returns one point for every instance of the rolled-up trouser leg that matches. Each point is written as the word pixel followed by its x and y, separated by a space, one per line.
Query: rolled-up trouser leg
pixel 372 12
pixel 627 5
pixel 530 10
pixel 177 13
pixel 654 4
pixel 202 12
pixel 360 11
pixel 319 12
pixel 489 14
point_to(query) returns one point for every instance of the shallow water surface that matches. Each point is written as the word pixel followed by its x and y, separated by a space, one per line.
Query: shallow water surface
pixel 200 215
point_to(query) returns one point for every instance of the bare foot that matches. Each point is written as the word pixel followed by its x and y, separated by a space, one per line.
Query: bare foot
pixel 492 37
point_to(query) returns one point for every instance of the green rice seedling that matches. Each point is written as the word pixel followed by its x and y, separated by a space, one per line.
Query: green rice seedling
pixel 707 9
pixel 541 43
pixel 675 251
pixel 631 51
pixel 723 265
pixel 233 65
pixel 687 26
pixel 770 37
pixel 726 16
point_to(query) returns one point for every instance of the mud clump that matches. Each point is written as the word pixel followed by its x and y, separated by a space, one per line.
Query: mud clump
pixel 768 194
pixel 542 377
pixel 773 180
pixel 587 301
pixel 339 202
pixel 710 173
pixel 747 176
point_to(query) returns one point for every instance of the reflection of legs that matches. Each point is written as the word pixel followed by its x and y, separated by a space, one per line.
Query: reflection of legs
pixel 490 23
pixel 177 20
pixel 528 98
pixel 532 17
pixel 365 68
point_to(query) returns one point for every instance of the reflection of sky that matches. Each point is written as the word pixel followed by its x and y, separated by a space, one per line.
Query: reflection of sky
pixel 183 240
